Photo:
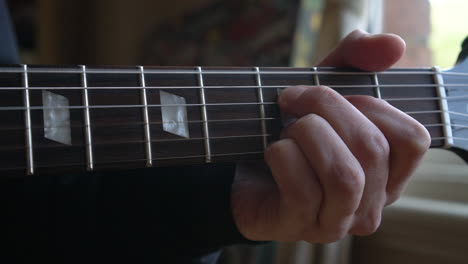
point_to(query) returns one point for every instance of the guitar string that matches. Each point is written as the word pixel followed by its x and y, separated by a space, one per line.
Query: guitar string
pixel 301 73
pixel 158 123
pixel 168 140
pixel 338 86
pixel 16 108
pixel 140 160
pixel 207 71
pixel 128 124
pixel 237 87
pixel 137 141
pixel 202 156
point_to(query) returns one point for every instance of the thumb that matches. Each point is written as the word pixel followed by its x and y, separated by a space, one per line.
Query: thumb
pixel 366 52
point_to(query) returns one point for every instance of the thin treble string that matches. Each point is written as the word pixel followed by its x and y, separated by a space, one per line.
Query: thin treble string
pixel 138 141
pixel 117 124
pixel 180 139
pixel 340 86
pixel 13 108
pixel 450 125
pixel 114 124
pixel 247 71
pixel 161 159
pixel 203 156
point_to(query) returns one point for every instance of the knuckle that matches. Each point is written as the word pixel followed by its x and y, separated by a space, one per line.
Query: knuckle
pixel 327 95
pixel 367 224
pixel 348 181
pixel 374 146
pixel 335 235
pixel 318 95
pixel 366 102
pixel 393 196
pixel 305 123
pixel 308 119
pixel 276 149
pixel 417 139
pixel 306 201
pixel 303 202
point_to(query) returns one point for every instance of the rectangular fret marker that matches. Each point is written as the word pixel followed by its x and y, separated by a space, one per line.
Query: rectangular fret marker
pixel 87 120
pixel 316 77
pixel 262 107
pixel 204 116
pixel 27 121
pixel 377 92
pixel 174 114
pixel 56 115
pixel 445 118
pixel 144 99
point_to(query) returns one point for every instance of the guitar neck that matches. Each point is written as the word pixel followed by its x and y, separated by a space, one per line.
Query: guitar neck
pixel 79 118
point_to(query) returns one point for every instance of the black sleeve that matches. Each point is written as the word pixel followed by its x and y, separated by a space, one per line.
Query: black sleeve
pixel 8 47
pixel 147 215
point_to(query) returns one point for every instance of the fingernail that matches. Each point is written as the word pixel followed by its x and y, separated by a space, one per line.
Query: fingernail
pixel 290 95
pixel 358 33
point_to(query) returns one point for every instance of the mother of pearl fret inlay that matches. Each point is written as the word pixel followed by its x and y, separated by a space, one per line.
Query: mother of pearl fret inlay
pixel 56 114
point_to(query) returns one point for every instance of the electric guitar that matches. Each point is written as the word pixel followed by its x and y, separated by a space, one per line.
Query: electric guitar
pixel 76 119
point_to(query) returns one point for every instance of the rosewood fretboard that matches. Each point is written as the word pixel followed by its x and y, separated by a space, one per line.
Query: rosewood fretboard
pixel 116 118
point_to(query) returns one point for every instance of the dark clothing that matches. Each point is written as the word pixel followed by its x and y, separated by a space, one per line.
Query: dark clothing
pixel 171 214
pixel 160 215
pixel 8 47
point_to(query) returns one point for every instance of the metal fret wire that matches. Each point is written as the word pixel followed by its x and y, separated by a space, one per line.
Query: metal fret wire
pixel 27 119
pixel 87 120
pixel 262 106
pixel 377 86
pixel 316 77
pixel 149 154
pixel 206 131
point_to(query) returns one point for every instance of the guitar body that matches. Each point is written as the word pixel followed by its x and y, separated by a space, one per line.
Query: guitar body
pixel 462 153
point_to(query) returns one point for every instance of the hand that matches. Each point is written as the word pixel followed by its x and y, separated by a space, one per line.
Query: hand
pixel 339 164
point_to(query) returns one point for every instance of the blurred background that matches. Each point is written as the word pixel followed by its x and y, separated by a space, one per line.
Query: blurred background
pixel 428 225
pixel 242 32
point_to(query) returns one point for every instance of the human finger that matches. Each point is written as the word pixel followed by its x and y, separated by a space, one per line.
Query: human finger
pixel 300 191
pixel 365 141
pixel 408 140
pixel 366 52
pixel 340 174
